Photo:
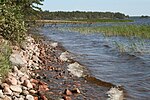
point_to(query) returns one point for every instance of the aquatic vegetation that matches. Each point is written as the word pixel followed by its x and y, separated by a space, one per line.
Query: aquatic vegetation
pixel 135 34
pixel 140 31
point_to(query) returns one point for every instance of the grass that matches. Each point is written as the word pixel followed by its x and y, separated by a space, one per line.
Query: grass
pixel 5 52
pixel 140 31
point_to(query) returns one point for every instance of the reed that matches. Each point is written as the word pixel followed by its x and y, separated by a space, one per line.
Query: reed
pixel 140 31
pixel 136 34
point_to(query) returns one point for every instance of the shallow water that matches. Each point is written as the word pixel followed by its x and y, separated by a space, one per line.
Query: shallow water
pixel 130 69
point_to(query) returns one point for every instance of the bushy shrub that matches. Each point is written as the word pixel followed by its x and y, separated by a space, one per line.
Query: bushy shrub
pixel 11 26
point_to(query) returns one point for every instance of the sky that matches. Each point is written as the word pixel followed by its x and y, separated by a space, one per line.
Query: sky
pixel 128 7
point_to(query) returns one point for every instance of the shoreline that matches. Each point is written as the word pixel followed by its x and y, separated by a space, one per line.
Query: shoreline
pixel 51 79
pixel 90 80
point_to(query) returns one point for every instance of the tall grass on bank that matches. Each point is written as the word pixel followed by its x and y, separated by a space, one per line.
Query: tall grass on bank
pixel 5 52
pixel 140 31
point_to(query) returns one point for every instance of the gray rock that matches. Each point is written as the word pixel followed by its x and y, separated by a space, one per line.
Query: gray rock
pixel 64 56
pixel 76 69
pixel 115 94
pixel 16 88
pixel 29 97
pixel 16 59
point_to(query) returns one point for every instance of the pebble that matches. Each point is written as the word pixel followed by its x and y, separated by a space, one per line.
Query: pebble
pixel 33 91
pixel 67 98
pixel 76 90
pixel 68 92
pixel 43 97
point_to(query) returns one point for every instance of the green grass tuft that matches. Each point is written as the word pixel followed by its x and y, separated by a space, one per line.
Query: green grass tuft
pixel 5 52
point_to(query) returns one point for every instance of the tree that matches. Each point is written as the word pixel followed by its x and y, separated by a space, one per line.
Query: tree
pixel 12 21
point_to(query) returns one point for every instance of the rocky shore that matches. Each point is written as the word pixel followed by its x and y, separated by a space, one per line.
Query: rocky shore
pixel 44 70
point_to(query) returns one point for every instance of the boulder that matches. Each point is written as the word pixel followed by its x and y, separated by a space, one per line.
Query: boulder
pixel 115 94
pixel 64 56
pixel 16 88
pixel 76 69
pixel 16 59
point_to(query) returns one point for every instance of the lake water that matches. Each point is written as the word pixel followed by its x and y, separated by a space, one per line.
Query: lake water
pixel 100 54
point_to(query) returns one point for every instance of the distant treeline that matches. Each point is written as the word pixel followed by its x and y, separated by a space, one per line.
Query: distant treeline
pixel 60 15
